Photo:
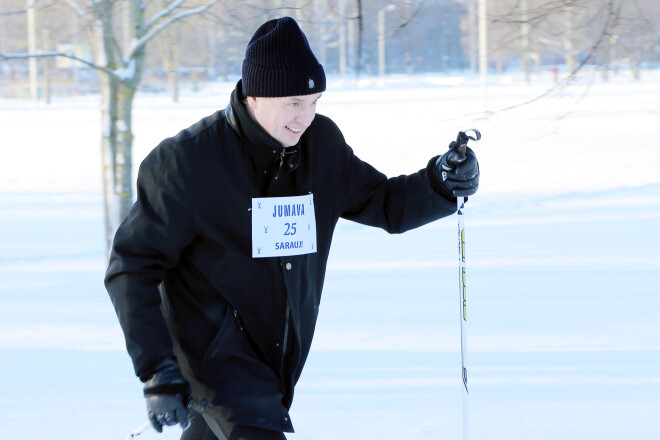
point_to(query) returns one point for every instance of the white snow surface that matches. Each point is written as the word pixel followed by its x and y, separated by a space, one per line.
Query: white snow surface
pixel 563 266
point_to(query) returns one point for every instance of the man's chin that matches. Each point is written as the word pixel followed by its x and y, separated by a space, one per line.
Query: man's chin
pixel 290 142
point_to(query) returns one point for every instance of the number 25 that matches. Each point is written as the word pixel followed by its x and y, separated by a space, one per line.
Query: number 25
pixel 290 229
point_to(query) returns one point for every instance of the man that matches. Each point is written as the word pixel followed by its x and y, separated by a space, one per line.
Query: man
pixel 216 273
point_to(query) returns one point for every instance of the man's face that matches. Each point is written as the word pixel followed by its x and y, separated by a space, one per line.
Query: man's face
pixel 285 119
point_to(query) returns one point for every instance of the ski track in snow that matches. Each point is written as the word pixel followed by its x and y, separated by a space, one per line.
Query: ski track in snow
pixel 563 260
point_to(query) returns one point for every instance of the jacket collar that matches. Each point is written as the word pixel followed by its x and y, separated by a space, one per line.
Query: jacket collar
pixel 245 126
pixel 266 152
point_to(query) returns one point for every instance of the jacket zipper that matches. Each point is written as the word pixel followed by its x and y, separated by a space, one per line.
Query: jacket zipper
pixel 238 320
pixel 278 167
pixel 286 338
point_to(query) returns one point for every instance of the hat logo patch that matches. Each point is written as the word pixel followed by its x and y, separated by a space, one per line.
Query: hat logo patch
pixel 310 83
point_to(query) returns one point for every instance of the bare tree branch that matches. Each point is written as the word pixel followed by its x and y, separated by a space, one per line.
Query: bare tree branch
pixel 613 17
pixel 140 43
pixel 21 11
pixel 23 56
pixel 235 24
pixel 80 11
pixel 164 13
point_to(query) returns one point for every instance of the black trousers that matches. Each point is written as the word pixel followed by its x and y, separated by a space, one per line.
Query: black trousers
pixel 206 428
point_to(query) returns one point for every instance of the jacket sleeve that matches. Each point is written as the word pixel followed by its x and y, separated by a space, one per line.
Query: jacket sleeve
pixel 397 204
pixel 148 243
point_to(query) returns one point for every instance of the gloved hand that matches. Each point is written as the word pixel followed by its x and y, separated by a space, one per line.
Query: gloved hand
pixel 167 396
pixel 455 174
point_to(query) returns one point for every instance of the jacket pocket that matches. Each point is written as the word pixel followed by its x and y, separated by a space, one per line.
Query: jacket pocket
pixel 223 341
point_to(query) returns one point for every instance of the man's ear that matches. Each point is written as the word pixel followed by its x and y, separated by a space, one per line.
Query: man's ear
pixel 252 102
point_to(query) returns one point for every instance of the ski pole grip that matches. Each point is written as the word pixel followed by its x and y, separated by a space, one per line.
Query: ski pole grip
pixel 465 136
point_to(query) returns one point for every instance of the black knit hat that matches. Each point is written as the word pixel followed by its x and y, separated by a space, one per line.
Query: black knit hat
pixel 279 62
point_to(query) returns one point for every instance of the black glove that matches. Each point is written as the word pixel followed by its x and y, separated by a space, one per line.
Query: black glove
pixel 167 396
pixel 455 174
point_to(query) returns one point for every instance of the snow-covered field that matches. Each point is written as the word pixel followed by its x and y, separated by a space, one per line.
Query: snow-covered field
pixel 563 256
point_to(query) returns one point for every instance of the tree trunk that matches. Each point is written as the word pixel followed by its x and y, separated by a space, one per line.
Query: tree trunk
pixel 124 150
pixel 108 87
pixel 635 69
pixel 117 92
pixel 171 61
pixel 524 34
pixel 47 64
pixel 360 35
pixel 173 81
pixel 472 35
pixel 567 37
pixel 117 150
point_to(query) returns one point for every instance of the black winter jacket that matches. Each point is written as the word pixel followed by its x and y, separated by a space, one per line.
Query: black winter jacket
pixel 182 277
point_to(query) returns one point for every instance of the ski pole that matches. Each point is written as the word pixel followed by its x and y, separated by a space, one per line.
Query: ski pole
pixel 462 140
pixel 137 431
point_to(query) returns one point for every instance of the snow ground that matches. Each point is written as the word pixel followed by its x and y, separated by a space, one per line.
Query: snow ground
pixel 563 269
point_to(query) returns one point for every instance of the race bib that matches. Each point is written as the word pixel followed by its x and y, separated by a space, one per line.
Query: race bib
pixel 283 226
